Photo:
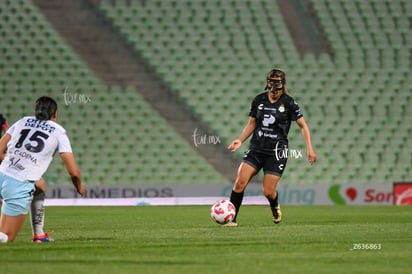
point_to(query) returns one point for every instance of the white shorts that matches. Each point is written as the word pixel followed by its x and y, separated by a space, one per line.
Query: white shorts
pixel 16 195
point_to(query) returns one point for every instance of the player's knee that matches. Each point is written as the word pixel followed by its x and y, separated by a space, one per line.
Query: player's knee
pixel 7 237
pixel 3 237
pixel 240 186
pixel 268 192
pixel 11 238
pixel 40 186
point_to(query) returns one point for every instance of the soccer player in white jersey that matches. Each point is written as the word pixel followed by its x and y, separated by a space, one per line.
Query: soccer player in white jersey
pixel 27 150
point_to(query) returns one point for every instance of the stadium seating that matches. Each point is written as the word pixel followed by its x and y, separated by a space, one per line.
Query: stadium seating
pixel 117 137
pixel 216 54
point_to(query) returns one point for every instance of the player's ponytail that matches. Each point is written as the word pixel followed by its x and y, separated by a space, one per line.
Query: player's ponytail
pixel 45 108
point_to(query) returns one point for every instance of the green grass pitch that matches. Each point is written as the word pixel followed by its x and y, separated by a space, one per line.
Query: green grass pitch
pixel 183 239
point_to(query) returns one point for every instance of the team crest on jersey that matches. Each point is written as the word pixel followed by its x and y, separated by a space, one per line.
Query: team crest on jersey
pixel 260 107
pixel 281 108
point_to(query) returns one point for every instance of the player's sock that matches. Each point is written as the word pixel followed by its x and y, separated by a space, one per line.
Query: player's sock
pixel 3 237
pixel 273 202
pixel 236 199
pixel 37 214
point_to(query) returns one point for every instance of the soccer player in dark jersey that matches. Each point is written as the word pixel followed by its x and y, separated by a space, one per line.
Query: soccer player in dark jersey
pixel 271 114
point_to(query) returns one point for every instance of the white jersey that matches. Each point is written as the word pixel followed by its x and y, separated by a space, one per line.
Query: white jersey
pixel 32 146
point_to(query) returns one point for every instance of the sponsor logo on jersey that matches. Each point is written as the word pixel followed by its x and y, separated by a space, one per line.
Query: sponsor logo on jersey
pixel 268 119
pixel 43 125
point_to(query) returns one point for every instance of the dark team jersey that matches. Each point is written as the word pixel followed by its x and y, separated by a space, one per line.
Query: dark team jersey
pixel 272 122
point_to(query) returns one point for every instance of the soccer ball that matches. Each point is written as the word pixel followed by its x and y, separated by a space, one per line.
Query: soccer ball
pixel 223 212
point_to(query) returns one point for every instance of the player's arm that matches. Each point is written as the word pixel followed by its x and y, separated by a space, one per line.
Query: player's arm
pixel 3 145
pixel 246 132
pixel 306 135
pixel 74 172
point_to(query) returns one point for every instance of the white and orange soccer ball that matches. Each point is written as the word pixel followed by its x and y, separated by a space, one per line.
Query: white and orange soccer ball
pixel 223 212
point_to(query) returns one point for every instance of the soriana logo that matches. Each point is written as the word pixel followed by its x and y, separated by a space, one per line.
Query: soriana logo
pixel 402 193
pixel 361 194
